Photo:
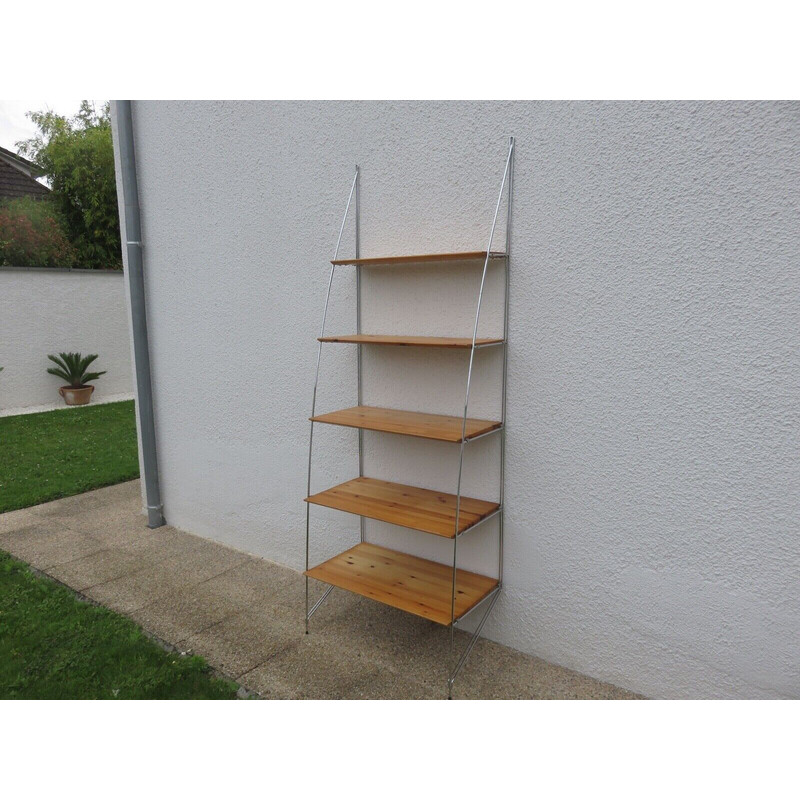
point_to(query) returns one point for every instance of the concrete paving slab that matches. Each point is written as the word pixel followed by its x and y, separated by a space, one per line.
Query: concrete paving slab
pixel 387 684
pixel 246 615
pixel 45 546
pixel 136 589
pixel 305 671
pixel 81 503
pixel 107 509
pixel 241 642
pixel 413 656
pixel 114 523
pixel 494 672
pixel 96 568
pixel 168 544
pixel 395 640
pixel 15 520
pixel 249 584
pixel 177 569
pixel 182 612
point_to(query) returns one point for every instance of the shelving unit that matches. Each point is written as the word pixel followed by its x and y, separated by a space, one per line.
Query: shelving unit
pixel 438 592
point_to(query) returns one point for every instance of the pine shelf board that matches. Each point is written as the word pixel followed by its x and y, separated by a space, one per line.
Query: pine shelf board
pixel 412 584
pixel 409 506
pixel 411 341
pixel 472 255
pixel 410 423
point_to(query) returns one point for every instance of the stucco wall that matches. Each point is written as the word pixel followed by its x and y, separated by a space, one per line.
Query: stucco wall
pixel 652 465
pixel 50 311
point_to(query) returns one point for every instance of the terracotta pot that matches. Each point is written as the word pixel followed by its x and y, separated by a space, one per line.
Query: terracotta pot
pixel 76 397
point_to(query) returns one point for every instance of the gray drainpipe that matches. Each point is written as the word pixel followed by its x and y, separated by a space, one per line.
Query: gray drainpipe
pixel 141 352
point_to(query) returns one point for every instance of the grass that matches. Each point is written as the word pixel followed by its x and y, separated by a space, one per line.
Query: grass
pixel 54 646
pixel 60 453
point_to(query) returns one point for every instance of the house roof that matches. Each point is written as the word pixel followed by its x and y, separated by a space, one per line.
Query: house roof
pixel 21 163
pixel 18 176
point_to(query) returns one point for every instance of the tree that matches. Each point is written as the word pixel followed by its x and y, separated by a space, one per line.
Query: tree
pixel 77 156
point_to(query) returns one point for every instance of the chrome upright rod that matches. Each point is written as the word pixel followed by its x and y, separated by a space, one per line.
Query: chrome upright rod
pixel 501 522
pixel 316 380
pixel 469 382
pixel 362 521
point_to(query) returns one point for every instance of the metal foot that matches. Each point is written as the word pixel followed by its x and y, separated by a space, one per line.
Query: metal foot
pixel 317 605
pixel 451 680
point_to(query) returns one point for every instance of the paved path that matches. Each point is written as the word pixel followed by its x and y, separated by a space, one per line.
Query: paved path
pixel 245 615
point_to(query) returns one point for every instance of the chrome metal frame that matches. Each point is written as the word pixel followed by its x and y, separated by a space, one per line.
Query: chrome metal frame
pixel 362 522
pixel 480 521
pixel 488 433
pixel 506 186
pixel 318 603
pixel 494 594
pixel 316 380
pixel 507 176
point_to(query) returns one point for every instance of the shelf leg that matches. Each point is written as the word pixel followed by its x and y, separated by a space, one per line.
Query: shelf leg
pixel 507 178
pixel 316 605
pixel 475 636
pixel 360 398
pixel 309 612
pixel 507 293
pixel 308 524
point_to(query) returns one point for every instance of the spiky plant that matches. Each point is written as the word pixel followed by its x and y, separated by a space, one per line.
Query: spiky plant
pixel 71 367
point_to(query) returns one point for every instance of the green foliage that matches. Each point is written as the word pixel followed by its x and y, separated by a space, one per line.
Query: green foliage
pixel 77 156
pixel 60 453
pixel 71 367
pixel 53 646
pixel 33 234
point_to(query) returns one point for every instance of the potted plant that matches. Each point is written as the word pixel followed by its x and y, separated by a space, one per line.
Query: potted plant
pixel 71 367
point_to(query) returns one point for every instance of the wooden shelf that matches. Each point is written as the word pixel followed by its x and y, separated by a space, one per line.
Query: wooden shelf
pixel 410 423
pixel 412 584
pixel 473 255
pixel 409 506
pixel 411 341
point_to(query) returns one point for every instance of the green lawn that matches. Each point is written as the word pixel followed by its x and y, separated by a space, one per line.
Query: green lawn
pixel 58 453
pixel 53 646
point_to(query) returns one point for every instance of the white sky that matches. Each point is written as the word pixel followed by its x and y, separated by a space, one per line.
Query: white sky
pixel 14 125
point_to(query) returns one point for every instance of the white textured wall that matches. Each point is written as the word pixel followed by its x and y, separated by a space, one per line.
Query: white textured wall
pixel 50 311
pixel 653 477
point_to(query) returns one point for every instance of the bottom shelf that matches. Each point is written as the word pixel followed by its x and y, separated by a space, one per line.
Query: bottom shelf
pixel 412 584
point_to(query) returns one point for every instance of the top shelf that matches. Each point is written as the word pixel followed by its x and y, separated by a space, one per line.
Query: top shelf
pixel 475 255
